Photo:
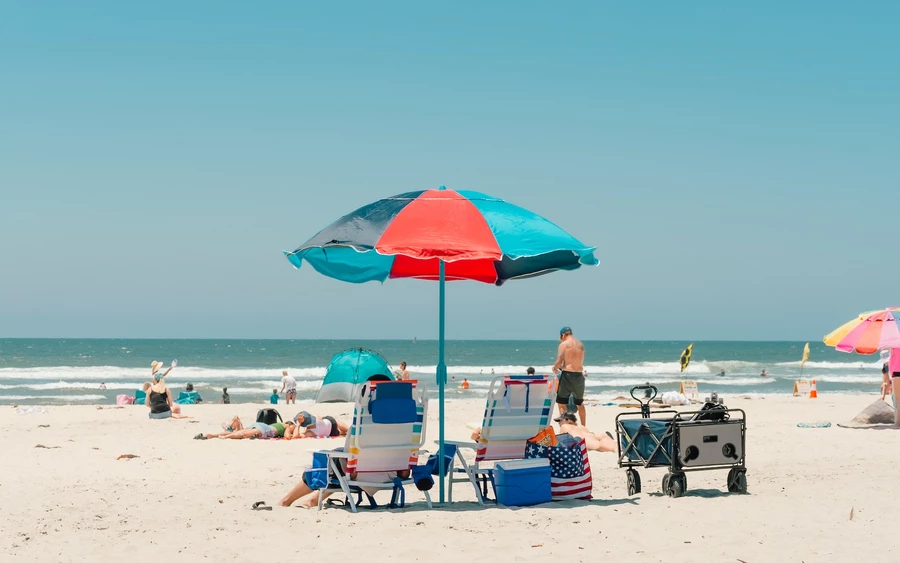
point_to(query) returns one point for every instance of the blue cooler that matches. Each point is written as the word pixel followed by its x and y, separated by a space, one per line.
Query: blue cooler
pixel 522 482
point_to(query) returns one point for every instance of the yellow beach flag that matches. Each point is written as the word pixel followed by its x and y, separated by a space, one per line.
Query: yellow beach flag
pixel 801 386
pixel 686 356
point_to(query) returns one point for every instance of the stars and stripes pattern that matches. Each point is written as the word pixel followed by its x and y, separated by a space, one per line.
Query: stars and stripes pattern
pixel 570 467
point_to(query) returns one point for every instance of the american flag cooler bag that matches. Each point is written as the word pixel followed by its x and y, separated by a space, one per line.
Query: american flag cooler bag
pixel 570 468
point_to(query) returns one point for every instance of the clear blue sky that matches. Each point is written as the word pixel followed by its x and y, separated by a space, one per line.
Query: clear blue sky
pixel 736 165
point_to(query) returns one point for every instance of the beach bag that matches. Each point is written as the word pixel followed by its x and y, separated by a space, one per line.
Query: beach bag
pixel 268 416
pixel 124 400
pixel 713 412
pixel 570 469
pixel 546 437
pixel 423 475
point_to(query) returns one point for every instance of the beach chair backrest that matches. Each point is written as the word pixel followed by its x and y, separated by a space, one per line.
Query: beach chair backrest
pixel 388 427
pixel 518 407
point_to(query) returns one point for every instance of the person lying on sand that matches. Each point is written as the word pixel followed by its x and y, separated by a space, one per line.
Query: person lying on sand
pixel 596 442
pixel 236 431
pixel 568 425
pixel 309 426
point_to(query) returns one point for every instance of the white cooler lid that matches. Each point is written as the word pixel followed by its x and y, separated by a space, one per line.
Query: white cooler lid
pixel 523 463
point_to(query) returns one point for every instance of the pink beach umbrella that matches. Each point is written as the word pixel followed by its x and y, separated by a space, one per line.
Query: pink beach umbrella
pixel 868 333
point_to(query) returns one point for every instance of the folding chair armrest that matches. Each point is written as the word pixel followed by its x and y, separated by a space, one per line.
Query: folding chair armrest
pixel 336 454
pixel 472 445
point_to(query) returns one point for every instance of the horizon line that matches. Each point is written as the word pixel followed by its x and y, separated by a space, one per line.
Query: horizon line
pixel 397 339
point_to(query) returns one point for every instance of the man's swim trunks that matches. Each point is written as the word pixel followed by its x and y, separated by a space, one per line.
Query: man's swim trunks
pixel 570 383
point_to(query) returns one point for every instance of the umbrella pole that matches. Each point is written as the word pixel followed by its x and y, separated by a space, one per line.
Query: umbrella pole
pixel 441 380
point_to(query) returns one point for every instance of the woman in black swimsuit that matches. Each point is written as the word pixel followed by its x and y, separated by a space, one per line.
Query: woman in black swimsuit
pixel 159 399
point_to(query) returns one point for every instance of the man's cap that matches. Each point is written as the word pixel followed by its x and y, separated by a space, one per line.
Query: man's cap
pixel 565 416
pixel 565 330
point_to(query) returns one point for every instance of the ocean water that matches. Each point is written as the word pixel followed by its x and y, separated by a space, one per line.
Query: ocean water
pixel 70 371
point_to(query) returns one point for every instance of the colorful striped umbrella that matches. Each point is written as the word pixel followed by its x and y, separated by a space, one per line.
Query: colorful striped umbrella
pixel 868 333
pixel 478 237
pixel 441 235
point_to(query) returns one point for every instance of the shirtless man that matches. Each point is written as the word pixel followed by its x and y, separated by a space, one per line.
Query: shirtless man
pixel 595 442
pixel 570 368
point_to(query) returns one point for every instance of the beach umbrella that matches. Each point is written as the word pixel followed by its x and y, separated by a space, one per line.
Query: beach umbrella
pixel 868 333
pixel 348 369
pixel 441 235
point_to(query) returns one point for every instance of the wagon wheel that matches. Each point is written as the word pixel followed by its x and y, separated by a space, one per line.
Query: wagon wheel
pixel 665 483
pixel 737 480
pixel 634 481
pixel 676 486
pixel 742 483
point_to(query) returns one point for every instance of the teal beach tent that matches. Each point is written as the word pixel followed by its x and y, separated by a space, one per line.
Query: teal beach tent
pixel 348 369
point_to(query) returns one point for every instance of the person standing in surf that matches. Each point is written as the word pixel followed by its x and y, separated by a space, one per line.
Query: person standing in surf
pixel 570 368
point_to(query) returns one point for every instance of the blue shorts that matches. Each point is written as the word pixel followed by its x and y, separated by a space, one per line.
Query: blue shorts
pixel 266 430
pixel 161 415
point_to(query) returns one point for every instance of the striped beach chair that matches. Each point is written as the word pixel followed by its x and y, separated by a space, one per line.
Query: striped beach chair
pixel 518 407
pixel 387 432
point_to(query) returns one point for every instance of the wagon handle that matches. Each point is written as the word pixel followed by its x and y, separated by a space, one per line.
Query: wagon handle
pixel 641 399
pixel 644 401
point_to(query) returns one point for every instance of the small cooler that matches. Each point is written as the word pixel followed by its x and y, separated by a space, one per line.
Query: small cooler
pixel 522 482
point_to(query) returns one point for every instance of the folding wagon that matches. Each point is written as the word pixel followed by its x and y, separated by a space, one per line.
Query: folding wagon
pixel 711 438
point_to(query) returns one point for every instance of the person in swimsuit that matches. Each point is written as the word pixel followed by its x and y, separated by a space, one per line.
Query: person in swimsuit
pixel 289 386
pixel 308 426
pixel 404 375
pixel 236 431
pixel 596 442
pixel 886 383
pixel 159 399
pixel 570 368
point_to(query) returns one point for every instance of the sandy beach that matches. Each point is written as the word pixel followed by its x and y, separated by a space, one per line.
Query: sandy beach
pixel 814 495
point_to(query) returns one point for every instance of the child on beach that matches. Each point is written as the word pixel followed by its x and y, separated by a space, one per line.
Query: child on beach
pixel 273 398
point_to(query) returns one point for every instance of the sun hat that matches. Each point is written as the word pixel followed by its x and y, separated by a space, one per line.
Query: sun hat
pixel 154 365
